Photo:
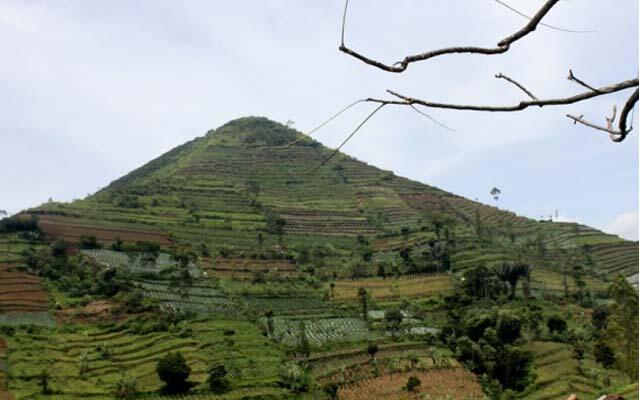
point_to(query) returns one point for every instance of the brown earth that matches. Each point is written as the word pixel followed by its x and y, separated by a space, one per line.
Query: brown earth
pixel 70 230
pixel 21 291
pixel 93 312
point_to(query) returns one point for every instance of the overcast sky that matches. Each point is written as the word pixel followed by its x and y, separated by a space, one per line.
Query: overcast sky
pixel 90 90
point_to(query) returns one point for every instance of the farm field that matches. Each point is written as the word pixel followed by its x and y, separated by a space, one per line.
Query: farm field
pixel 250 356
pixel 435 384
pixel 137 263
pixel 558 373
pixel 322 331
pixel 70 230
pixel 21 292
pixel 272 251
pixel 393 289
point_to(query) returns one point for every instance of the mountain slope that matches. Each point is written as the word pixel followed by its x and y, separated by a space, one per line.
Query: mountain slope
pixel 243 189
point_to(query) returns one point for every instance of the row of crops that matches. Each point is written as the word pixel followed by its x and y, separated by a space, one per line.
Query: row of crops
pixel 27 318
pixel 321 331
pixel 139 263
pixel 199 298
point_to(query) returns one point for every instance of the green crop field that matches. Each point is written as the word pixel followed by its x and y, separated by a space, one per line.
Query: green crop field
pixel 249 355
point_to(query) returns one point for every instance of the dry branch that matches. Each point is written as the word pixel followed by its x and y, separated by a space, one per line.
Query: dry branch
pixel 406 100
pixel 573 78
pixel 502 46
pixel 506 78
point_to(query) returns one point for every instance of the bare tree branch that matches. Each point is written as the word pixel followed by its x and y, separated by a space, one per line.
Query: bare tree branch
pixel 580 120
pixel 573 78
pixel 506 78
pixel 348 138
pixel 628 107
pixel 502 46
pixel 617 135
pixel 541 23
pixel 616 87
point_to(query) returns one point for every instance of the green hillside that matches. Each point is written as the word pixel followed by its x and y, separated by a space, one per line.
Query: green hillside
pixel 242 180
pixel 290 282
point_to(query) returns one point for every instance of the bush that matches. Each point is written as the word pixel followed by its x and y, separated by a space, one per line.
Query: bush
pixel 412 384
pixel 294 377
pixel 331 389
pixel 556 324
pixel 173 370
pixel 217 378
pixel 125 387
pixel 89 242
pixel 372 349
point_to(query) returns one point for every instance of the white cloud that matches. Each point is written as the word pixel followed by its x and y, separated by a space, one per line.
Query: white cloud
pixel 625 225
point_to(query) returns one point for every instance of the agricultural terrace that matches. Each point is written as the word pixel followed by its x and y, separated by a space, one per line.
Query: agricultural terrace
pixel 105 353
pixel 321 332
pixel 71 230
pixel 434 384
pixel 355 364
pixel 21 292
pixel 393 289
pixel 138 263
pixel 246 268
pixel 559 373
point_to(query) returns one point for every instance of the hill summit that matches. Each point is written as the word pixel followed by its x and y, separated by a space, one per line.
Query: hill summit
pixel 245 189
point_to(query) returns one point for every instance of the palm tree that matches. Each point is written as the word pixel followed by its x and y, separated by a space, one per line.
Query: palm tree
pixel 495 192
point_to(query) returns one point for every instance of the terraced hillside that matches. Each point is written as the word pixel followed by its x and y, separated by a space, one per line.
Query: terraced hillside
pixel 243 189
pixel 348 281
pixel 89 361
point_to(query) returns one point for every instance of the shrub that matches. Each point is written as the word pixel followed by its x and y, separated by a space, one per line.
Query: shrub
pixel 599 317
pixel 372 349
pixel 412 384
pixel 556 324
pixel 217 378
pixel 604 354
pixel 331 389
pixel 294 377
pixel 125 387
pixel 173 370
pixel 89 242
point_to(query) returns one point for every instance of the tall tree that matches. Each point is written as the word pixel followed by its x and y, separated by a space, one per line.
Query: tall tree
pixel 495 193
pixel 622 325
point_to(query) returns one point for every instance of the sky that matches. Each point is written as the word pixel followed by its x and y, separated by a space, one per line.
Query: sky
pixel 90 90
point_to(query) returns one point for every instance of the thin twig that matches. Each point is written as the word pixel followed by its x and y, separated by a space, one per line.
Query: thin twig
pixel 344 20
pixel 502 46
pixel 575 79
pixel 348 138
pixel 612 119
pixel 580 120
pixel 302 136
pixel 617 135
pixel 506 78
pixel 541 23
pixel 430 117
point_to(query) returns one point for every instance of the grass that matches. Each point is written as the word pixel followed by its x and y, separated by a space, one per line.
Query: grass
pixel 252 359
